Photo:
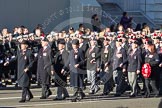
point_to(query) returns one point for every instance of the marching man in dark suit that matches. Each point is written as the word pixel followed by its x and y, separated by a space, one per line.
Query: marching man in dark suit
pixel 134 66
pixel 25 62
pixel 75 63
pixel 152 58
pixel 106 67
pixel 93 65
pixel 60 59
pixel 119 67
pixel 45 68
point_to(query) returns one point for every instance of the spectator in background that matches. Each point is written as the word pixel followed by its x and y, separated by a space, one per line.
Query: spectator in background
pixel 138 27
pixel 81 28
pixel 143 25
pixel 4 32
pixel 87 32
pixel 25 31
pixel 125 20
pixel 96 23
pixel 19 31
pixel 112 28
pixel 38 32
pixel 146 29
pixel 120 29
pixel 15 32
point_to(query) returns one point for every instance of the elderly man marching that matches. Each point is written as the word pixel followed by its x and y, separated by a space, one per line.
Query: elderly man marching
pixel 119 67
pixel 45 68
pixel 25 61
pixel 134 66
pixel 75 63
pixel 93 65
pixel 106 66
pixel 60 60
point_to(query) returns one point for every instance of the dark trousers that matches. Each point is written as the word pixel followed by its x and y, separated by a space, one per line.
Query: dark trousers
pixel 60 91
pixel 45 90
pixel 78 93
pixel 119 80
pixel 151 82
pixel 26 92
pixel 107 79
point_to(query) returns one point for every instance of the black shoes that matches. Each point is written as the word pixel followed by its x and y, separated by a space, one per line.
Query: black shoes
pixel 16 85
pixel 57 99
pixel 43 97
pixel 83 94
pixel 132 96
pixel 74 100
pixel 30 98
pixel 22 101
pixel 104 94
pixel 117 95
pixel 48 93
pixel 146 96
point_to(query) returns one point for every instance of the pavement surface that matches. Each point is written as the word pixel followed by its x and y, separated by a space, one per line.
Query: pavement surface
pixel 9 99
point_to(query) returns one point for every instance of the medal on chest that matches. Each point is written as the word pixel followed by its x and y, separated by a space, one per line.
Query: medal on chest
pixel 106 56
pixel 25 58
pixel 1 61
pixel 75 56
pixel 44 54
pixel 93 55
pixel 150 56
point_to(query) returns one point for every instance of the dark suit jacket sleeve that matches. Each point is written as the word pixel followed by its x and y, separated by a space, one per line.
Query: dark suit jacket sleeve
pixel 110 56
pixel 155 61
pixel 124 58
pixel 66 66
pixel 65 56
pixel 86 55
pixel 50 61
pixel 139 60
pixel 15 58
pixel 31 60
pixel 98 57
pixel 82 58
